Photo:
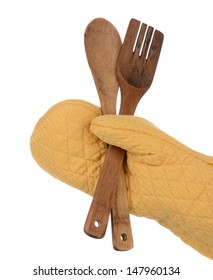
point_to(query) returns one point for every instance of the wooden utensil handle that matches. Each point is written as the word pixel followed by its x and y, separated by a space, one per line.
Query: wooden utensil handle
pixel 121 227
pixel 98 215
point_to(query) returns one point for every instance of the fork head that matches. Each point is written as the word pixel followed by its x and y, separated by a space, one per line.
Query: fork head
pixel 139 55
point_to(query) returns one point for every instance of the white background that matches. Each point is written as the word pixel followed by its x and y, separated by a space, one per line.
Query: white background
pixel 42 62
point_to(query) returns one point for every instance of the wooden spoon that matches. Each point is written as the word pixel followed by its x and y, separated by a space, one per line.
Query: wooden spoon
pixel 135 73
pixel 102 44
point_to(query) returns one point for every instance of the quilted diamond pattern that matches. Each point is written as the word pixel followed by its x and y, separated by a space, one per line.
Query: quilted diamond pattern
pixel 166 180
pixel 64 147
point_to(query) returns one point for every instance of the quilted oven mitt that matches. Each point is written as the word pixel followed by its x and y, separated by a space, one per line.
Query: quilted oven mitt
pixel 166 181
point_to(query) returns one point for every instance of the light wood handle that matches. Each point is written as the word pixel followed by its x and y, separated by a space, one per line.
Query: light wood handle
pixel 98 215
pixel 121 227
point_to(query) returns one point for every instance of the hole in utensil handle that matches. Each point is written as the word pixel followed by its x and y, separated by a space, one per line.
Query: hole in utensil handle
pixel 104 193
pixel 123 237
pixel 96 224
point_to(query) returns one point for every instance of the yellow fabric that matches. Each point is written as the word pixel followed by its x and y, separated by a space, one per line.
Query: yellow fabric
pixel 166 180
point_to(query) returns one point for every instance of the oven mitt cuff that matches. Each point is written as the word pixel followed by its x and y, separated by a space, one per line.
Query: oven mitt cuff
pixel 166 180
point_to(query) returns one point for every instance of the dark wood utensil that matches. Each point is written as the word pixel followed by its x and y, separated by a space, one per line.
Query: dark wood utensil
pixel 135 72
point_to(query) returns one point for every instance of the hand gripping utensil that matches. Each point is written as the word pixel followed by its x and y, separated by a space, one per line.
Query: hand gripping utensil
pixel 102 45
pixel 136 68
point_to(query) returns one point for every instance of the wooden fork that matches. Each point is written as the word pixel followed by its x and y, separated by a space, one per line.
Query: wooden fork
pixel 135 72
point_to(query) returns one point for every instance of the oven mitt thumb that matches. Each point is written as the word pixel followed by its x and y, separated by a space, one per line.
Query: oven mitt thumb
pixel 166 181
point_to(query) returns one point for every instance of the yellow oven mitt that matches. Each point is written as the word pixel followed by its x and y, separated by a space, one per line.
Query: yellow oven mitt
pixel 166 181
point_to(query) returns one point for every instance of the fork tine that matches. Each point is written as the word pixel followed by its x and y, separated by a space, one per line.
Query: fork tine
pixel 155 48
pixel 147 41
pixel 131 35
pixel 140 39
pixel 154 52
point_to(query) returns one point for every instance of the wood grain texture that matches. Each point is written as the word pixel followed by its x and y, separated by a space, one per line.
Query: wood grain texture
pixel 135 74
pixel 120 219
pixel 98 215
pixel 102 44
